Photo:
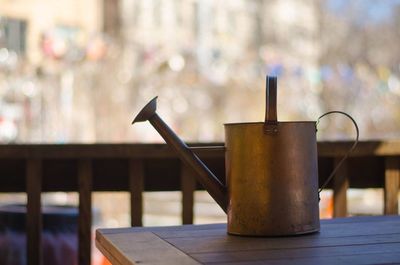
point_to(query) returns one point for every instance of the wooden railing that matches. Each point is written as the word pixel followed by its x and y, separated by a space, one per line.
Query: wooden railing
pixel 154 167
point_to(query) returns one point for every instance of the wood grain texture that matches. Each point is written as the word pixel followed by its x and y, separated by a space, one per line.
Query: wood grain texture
pixel 202 229
pixel 360 240
pixel 340 187
pixel 296 253
pixel 331 230
pixel 366 259
pixel 136 186
pixel 228 244
pixel 188 186
pixel 392 183
pixel 85 211
pixel 34 211
pixel 149 249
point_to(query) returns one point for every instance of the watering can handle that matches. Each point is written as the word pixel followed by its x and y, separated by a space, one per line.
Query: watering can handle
pixel 271 120
pixel 348 152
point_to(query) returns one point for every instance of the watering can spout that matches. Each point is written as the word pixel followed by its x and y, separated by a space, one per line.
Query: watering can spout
pixel 147 111
pixel 203 175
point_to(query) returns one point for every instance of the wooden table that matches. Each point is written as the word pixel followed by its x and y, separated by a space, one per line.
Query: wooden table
pixel 355 240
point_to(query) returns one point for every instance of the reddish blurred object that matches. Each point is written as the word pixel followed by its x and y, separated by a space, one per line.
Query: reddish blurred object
pixel 96 49
pixel 105 261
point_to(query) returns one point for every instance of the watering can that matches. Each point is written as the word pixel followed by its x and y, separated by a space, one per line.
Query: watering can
pixel 271 171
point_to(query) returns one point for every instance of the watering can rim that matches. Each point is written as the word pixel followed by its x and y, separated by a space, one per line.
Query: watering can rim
pixel 260 123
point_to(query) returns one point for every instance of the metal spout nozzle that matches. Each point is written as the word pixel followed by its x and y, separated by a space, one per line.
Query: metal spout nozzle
pixel 147 112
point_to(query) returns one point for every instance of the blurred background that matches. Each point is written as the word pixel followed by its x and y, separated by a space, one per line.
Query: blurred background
pixel 74 71
pixel 77 71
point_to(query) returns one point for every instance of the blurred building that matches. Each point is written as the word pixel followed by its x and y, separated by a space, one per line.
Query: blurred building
pixel 25 23
pixel 39 43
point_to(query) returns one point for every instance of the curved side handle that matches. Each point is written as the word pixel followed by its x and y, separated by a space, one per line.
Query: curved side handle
pixel 348 152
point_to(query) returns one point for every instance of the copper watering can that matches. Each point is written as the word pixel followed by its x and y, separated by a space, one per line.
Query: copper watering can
pixel 271 171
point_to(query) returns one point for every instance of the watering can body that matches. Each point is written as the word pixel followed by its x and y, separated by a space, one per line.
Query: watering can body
pixel 272 179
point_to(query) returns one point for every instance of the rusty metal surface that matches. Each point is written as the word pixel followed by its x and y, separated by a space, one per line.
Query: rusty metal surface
pixel 272 179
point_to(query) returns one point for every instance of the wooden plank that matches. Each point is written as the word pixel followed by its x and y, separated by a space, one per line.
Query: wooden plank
pixel 355 226
pixel 364 148
pixel 34 212
pixel 360 219
pixel 148 249
pixel 160 228
pixel 340 187
pixel 111 174
pixel 392 182
pixel 136 186
pixel 210 244
pixel 85 211
pixel 327 230
pixel 108 255
pixel 354 259
pixel 377 221
pixel 295 254
pixel 188 186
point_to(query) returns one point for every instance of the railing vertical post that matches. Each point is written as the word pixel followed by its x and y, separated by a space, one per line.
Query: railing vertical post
pixel 340 186
pixel 85 211
pixel 34 211
pixel 392 179
pixel 136 187
pixel 188 186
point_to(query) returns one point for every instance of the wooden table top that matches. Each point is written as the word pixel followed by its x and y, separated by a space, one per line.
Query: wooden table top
pixel 354 240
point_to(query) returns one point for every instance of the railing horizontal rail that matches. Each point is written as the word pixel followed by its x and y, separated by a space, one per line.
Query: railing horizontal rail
pixel 112 174
pixel 125 150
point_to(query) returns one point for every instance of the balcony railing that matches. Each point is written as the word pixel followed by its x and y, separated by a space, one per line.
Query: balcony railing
pixel 154 167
